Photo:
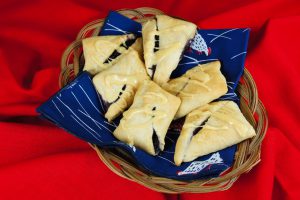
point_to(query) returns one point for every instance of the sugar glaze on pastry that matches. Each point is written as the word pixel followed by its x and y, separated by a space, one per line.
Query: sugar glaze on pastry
pixel 146 122
pixel 101 52
pixel 211 128
pixel 117 84
pixel 198 86
pixel 164 40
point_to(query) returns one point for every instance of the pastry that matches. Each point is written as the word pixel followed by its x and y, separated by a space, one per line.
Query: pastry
pixel 197 87
pixel 211 128
pixel 103 51
pixel 146 122
pixel 138 46
pixel 164 40
pixel 117 84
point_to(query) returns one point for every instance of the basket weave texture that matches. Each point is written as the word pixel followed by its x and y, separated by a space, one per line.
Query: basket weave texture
pixel 248 151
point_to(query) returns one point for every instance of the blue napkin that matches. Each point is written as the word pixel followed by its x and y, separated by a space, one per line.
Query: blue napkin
pixel 117 24
pixel 77 107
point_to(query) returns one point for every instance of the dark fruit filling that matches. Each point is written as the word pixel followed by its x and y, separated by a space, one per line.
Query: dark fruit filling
pixel 153 68
pixel 128 43
pixel 113 56
pixel 200 127
pixel 156 43
pixel 155 142
pixel 115 53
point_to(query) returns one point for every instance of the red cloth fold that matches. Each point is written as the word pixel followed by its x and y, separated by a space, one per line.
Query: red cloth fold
pixel 39 160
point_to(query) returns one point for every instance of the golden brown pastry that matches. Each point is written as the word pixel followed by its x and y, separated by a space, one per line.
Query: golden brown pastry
pixel 138 46
pixel 146 122
pixel 197 87
pixel 211 128
pixel 103 51
pixel 164 40
pixel 117 85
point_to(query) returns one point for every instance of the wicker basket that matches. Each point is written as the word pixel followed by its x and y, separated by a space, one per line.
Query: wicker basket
pixel 248 151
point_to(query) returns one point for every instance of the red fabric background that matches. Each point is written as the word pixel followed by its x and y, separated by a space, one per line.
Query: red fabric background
pixel 38 160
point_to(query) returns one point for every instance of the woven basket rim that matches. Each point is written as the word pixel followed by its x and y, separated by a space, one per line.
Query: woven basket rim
pixel 248 151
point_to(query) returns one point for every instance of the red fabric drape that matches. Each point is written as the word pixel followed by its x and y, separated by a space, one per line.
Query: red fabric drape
pixel 38 160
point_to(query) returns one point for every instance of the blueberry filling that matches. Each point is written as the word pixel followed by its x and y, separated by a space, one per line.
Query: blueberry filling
pixel 183 87
pixel 156 48
pixel 128 43
pixel 200 127
pixel 153 68
pixel 153 109
pixel 156 43
pixel 120 94
pixel 115 53
pixel 156 23
pixel 117 98
pixel 108 104
pixel 156 38
pixel 155 142
pixel 113 56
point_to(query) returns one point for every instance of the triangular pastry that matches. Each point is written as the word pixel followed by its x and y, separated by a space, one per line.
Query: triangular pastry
pixel 211 128
pixel 117 84
pixel 138 46
pixel 146 122
pixel 101 52
pixel 164 40
pixel 197 87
